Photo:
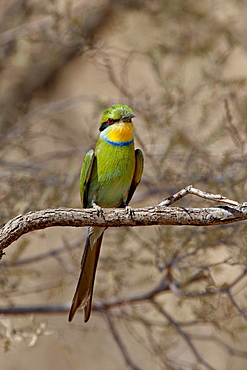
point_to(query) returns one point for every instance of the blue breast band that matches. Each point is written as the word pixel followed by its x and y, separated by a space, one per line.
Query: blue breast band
pixel 119 143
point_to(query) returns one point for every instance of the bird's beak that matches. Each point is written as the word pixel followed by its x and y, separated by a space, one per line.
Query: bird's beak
pixel 127 117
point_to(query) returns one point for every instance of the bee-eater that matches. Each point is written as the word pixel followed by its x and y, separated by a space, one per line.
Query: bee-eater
pixel 109 177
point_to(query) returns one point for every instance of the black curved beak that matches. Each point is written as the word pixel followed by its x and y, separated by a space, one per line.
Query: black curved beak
pixel 127 117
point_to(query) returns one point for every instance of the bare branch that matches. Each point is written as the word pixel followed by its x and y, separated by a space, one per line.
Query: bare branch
pixel 235 135
pixel 242 313
pixel 202 194
pixel 220 343
pixel 148 216
pixel 184 335
pixel 120 343
pixel 53 253
pixel 100 306
pixel 35 309
pixel 176 289
pixel 56 47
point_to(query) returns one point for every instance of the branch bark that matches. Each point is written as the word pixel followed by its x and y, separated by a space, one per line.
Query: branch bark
pixel 148 216
pixel 116 217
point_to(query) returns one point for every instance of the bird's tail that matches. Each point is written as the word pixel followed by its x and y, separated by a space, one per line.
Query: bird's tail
pixel 84 290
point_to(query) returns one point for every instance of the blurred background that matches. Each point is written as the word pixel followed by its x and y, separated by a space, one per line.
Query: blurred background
pixel 181 66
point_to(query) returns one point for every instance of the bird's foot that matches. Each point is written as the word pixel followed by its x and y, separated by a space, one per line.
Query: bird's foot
pixel 130 211
pixel 99 210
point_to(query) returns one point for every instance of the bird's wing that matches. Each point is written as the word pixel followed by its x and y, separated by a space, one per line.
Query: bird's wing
pixel 139 161
pixel 86 171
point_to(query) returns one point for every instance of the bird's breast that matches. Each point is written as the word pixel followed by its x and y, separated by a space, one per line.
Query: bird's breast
pixel 112 174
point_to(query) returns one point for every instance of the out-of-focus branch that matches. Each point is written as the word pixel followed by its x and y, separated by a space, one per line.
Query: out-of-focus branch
pixel 223 290
pixel 120 343
pixel 104 305
pixel 220 343
pixel 75 29
pixel 184 335
pixel 235 304
pixel 67 246
pixel 165 286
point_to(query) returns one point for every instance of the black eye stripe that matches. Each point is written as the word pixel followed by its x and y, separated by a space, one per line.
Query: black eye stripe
pixel 104 125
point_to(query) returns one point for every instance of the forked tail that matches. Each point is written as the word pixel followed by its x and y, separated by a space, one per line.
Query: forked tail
pixel 84 290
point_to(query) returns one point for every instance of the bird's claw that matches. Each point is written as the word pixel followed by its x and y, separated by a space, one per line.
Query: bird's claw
pixel 130 211
pixel 98 209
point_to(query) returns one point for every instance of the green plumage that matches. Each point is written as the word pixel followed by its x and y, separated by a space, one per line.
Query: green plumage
pixel 115 112
pixel 109 177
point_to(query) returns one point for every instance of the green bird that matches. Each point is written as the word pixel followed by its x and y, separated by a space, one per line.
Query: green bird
pixel 109 177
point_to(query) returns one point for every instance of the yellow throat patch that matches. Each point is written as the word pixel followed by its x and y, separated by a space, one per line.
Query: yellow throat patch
pixel 122 131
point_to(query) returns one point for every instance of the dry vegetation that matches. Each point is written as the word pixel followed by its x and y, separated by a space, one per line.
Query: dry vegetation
pixel 170 297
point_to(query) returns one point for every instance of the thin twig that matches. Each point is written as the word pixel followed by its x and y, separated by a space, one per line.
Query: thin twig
pixel 184 335
pixel 161 287
pixel 129 362
pixel 235 136
pixel 221 343
pixel 176 288
pixel 242 313
pixel 202 194
pixel 42 256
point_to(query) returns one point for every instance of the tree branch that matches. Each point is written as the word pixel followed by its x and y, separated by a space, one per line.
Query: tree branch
pixel 104 305
pixel 129 362
pixel 220 343
pixel 157 215
pixel 184 335
pixel 67 246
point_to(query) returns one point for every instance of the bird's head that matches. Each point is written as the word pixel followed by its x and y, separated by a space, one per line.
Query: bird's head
pixel 116 114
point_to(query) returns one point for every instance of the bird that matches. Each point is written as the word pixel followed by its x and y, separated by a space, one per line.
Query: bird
pixel 109 176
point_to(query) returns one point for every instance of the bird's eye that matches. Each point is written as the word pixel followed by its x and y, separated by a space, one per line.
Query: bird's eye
pixel 110 121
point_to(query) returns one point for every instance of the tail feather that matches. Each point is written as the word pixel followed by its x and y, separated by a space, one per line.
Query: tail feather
pixel 84 290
